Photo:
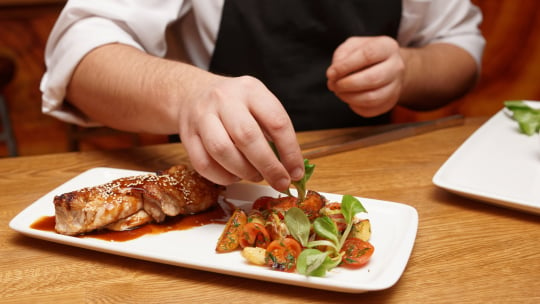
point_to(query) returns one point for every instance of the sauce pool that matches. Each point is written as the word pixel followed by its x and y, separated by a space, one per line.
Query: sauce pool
pixel 216 215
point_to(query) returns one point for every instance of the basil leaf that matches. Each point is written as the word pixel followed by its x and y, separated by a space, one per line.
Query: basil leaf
pixel 312 262
pixel 326 228
pixel 327 243
pixel 350 206
pixel 298 224
pixel 528 122
pixel 513 105
pixel 528 118
pixel 301 185
pixel 529 128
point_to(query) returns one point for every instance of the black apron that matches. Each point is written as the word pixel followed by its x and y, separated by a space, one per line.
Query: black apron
pixel 288 45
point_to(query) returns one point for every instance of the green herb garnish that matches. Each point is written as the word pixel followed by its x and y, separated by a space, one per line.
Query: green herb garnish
pixel 300 185
pixel 528 118
pixel 313 262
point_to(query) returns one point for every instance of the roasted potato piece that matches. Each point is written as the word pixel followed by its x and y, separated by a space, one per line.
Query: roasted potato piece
pixel 361 230
pixel 229 239
pixel 255 255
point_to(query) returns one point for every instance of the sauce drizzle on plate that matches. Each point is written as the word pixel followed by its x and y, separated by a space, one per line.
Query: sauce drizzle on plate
pixel 218 214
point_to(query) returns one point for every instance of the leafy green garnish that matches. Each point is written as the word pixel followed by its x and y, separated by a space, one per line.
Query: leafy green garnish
pixel 300 185
pixel 350 206
pixel 326 229
pixel 313 262
pixel 528 118
pixel 298 225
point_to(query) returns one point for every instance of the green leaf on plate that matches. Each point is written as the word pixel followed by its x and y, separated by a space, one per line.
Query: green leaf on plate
pixel 528 119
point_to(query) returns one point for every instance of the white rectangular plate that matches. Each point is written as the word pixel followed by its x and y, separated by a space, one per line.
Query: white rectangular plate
pixel 496 164
pixel 394 229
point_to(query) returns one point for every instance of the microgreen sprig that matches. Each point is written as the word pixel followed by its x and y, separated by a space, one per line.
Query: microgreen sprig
pixel 300 185
pixel 312 261
pixel 528 118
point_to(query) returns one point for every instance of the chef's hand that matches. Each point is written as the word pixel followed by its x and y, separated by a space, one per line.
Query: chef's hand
pixel 367 73
pixel 226 128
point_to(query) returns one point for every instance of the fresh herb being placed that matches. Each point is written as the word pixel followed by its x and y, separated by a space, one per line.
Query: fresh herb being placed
pixel 300 185
pixel 528 118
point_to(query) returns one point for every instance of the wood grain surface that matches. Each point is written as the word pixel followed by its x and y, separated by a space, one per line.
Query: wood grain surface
pixel 466 251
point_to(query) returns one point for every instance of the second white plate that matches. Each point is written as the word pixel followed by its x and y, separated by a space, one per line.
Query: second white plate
pixel 496 164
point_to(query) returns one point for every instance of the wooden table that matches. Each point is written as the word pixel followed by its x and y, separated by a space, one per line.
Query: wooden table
pixel 466 251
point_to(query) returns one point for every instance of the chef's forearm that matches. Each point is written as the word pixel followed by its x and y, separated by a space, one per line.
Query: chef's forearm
pixel 435 75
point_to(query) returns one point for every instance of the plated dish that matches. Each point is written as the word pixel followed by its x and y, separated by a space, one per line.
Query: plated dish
pixel 496 164
pixel 394 227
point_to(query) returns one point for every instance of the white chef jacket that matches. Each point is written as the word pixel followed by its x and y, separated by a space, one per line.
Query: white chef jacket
pixel 193 28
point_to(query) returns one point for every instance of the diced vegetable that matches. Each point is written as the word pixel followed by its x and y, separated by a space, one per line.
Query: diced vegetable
pixel 361 230
pixel 255 255
pixel 254 234
pixel 262 203
pixel 282 254
pixel 229 239
pixel 333 211
pixel 312 204
pixel 356 253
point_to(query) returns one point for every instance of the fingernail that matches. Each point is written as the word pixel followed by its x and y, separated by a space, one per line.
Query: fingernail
pixel 297 174
pixel 282 184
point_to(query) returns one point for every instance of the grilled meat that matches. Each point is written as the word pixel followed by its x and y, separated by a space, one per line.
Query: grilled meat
pixel 135 220
pixel 132 201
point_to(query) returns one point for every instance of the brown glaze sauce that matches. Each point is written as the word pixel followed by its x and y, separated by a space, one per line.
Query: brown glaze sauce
pixel 219 214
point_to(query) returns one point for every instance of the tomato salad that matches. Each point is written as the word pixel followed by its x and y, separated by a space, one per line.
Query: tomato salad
pixel 310 236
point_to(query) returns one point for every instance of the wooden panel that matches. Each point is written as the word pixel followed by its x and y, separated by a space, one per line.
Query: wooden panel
pixel 511 67
pixel 511 63
pixel 23 33
pixel 24 30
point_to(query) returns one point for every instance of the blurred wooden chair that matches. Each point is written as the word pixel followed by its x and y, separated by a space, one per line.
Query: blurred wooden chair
pixel 7 72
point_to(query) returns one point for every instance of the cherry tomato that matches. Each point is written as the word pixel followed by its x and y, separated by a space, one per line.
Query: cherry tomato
pixel 282 254
pixel 357 253
pixel 333 211
pixel 277 205
pixel 254 234
pixel 262 203
pixel 312 204
pixel 229 239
